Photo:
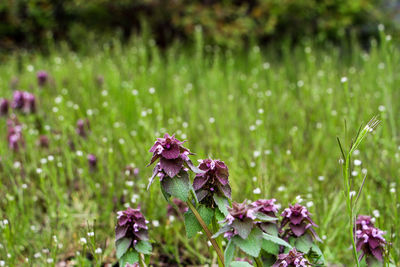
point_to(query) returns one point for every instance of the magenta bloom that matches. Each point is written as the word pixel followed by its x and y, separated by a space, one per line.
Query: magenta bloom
pixel 299 220
pixel 239 221
pixel 92 160
pixel 14 135
pixel 172 156
pixel 266 206
pixel 213 180
pixel 24 101
pixel 83 127
pixel 4 106
pixel 369 239
pixel 131 224
pixel 292 259
pixel 42 77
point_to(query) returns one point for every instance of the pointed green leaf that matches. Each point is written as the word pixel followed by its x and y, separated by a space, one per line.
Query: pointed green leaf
pixel 219 216
pixel 122 246
pixel 318 252
pixel 304 243
pixel 206 214
pixel 265 218
pixel 222 203
pixel 240 264
pixel 229 253
pixel 143 247
pixel 177 186
pixel 129 257
pixel 269 228
pixel 191 224
pixel 276 240
pixel 252 244
pixel 270 247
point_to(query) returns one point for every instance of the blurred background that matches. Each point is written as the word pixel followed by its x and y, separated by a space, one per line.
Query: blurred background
pixel 35 23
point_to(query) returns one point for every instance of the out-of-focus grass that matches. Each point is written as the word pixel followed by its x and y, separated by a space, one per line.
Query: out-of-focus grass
pixel 272 118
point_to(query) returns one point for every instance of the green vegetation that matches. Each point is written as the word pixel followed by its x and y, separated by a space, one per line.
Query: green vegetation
pixel 272 115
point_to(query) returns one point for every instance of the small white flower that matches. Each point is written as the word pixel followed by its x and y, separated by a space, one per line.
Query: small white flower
pixel 24 186
pixel 39 170
pixel 43 161
pixel 310 204
pixel 381 108
pixel 152 90
pixel 50 158
pixel 211 120
pixel 17 165
pixel 281 188
pixel 83 240
pixel 2 263
pixel 352 194
pixel 252 164
pixel 257 191
pixel 90 234
pixel 252 127
pixel 288 152
pixel 37 255
pixel 254 179
pixel 135 92
pixel 209 243
pixel 79 153
pixel 357 162
pixel 393 190
pixel 321 178
pixel 343 79
pixel 260 111
pixel 104 93
pixel 267 152
pixel 256 153
pixel 155 223
pixel 49 260
pixel 376 213
pixel 98 251
pixel 354 173
pixel 128 183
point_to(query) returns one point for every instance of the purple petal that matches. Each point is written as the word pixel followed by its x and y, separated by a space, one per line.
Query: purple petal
pixel 199 182
pixel 120 231
pixel 171 166
pixel 377 252
pixel 155 172
pixel 171 153
pixel 296 219
pixel 373 242
pixel 226 190
pixel 201 194
pixel 298 230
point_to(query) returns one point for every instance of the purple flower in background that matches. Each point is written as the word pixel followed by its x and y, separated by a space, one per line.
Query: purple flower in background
pixel 92 161
pixel 172 156
pixel 14 135
pixel 369 239
pixel 42 77
pixel 292 259
pixel 299 220
pixel 180 207
pixel 131 171
pixel 131 224
pixel 4 105
pixel 43 141
pixel 83 127
pixel 213 180
pixel 24 101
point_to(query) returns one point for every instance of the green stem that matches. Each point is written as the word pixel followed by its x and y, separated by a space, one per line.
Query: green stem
pixel 218 239
pixel 258 262
pixel 141 260
pixel 207 232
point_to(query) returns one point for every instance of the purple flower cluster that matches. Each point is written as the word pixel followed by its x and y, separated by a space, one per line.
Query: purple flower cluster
pixel 212 180
pixel 92 160
pixel 42 77
pixel 82 127
pixel 299 221
pixel 266 206
pixel 239 221
pixel 14 134
pixel 292 259
pixel 24 101
pixel 172 156
pixel 369 239
pixel 4 106
pixel 131 224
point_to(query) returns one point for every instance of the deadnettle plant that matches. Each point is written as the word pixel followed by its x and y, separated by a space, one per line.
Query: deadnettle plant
pixel 292 259
pixel 213 180
pixel 92 160
pixel 42 77
pixel 299 220
pixel 131 236
pixel 14 134
pixel 370 240
pixel 83 127
pixel 4 106
pixel 24 101
pixel 268 208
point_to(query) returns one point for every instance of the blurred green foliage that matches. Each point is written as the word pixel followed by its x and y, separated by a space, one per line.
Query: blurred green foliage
pixel 227 23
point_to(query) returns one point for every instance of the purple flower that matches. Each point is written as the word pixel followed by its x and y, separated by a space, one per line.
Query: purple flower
pixel 293 259
pixel 299 220
pixel 14 135
pixel 4 105
pixel 92 161
pixel 82 127
pixel 239 221
pixel 180 207
pixel 42 77
pixel 369 239
pixel 131 224
pixel 131 171
pixel 213 180
pixel 43 141
pixel 24 101
pixel 172 157
pixel 266 206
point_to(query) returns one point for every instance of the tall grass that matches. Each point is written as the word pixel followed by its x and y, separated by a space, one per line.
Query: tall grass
pixel 272 115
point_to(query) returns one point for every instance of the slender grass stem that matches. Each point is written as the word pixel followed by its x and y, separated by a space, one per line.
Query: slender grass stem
pixel 258 262
pixel 207 232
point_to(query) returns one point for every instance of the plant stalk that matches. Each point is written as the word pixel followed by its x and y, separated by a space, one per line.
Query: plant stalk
pixel 258 262
pixel 207 232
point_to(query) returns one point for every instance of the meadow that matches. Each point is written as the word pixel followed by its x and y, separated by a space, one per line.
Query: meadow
pixel 272 115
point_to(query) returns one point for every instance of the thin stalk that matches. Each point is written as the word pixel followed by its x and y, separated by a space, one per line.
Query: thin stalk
pixel 258 262
pixel 218 239
pixel 141 260
pixel 207 232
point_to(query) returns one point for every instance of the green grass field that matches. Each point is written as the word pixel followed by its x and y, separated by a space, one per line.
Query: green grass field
pixel 272 116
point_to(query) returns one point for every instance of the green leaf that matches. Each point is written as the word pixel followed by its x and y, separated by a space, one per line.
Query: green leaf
pixel 219 216
pixel 222 203
pixel 122 246
pixel 252 244
pixel 318 252
pixel 177 186
pixel 269 228
pixel 130 257
pixel 243 227
pixel 263 217
pixel 222 230
pixel 191 224
pixel 143 247
pixel 240 264
pixel 229 253
pixel 206 214
pixel 276 240
pixel 270 247
pixel 304 243
pixel 165 194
